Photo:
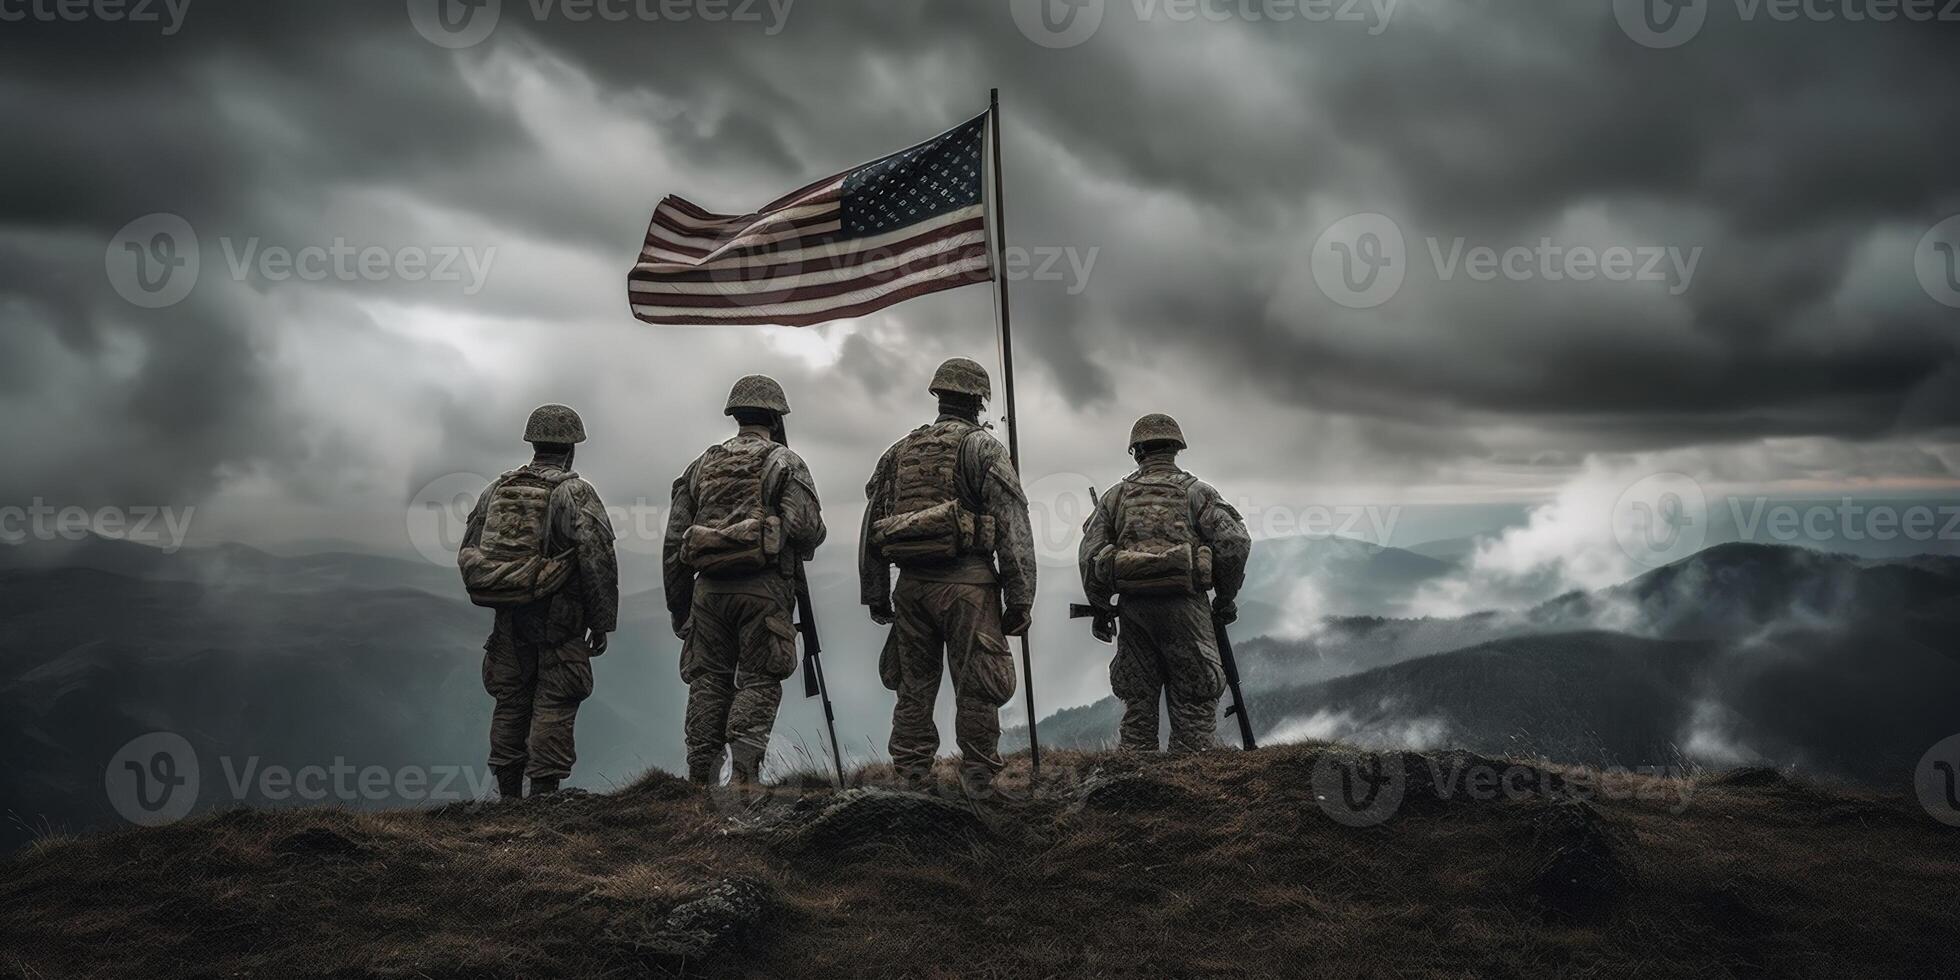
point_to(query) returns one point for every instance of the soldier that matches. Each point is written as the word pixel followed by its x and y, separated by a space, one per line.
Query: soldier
pixel 1161 539
pixel 947 508
pixel 539 549
pixel 744 514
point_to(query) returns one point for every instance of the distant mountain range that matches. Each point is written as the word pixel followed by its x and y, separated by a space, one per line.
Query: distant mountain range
pixel 1740 654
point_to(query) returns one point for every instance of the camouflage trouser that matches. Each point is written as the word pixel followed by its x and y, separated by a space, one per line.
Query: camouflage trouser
pixel 963 621
pixel 538 688
pixel 739 648
pixel 1166 645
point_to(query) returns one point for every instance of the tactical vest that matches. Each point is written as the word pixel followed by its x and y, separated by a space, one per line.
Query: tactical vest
pixel 510 564
pixel 930 522
pixel 734 531
pixel 1158 550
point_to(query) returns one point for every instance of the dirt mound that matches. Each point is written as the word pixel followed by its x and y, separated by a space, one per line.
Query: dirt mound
pixel 1581 874
pixel 709 923
pixel 1132 792
pixel 317 842
pixel 877 817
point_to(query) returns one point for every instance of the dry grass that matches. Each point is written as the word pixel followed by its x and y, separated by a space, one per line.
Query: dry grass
pixel 1216 865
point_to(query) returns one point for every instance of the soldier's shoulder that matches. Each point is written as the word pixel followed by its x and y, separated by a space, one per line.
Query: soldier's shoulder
pixel 985 442
pixel 578 488
pixel 789 458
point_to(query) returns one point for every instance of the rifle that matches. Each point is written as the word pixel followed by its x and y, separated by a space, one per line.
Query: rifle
pixel 806 624
pixel 1232 681
pixel 1082 610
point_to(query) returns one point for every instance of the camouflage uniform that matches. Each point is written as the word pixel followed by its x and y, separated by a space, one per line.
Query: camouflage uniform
pixel 739 636
pixel 1167 645
pixel 954 606
pixel 537 663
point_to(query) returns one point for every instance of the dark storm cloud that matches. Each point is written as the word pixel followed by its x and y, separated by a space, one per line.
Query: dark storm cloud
pixel 1201 160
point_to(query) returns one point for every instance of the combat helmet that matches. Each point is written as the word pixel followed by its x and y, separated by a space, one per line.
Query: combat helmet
pixel 554 424
pixel 961 375
pixel 757 391
pixel 1156 427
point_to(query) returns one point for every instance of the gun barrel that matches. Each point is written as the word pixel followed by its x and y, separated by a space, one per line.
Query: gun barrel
pixel 1081 610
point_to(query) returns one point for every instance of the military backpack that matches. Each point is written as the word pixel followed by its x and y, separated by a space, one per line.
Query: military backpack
pixel 734 531
pixel 929 524
pixel 511 564
pixel 1157 550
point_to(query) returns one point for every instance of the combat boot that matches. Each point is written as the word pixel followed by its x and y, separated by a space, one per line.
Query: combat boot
pixel 510 782
pixel 543 785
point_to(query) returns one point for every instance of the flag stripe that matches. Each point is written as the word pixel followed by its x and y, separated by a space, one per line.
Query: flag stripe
pixel 809 314
pixel 834 270
pixel 798 288
pixel 817 255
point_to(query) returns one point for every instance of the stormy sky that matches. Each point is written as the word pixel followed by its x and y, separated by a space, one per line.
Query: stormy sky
pixel 1581 246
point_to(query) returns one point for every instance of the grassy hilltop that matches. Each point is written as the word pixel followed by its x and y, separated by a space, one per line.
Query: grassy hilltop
pixel 1223 864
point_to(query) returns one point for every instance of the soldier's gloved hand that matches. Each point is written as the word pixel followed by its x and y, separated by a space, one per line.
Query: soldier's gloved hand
pixel 596 641
pixel 1016 620
pixel 1224 610
pixel 882 615
pixel 1103 627
pixel 680 625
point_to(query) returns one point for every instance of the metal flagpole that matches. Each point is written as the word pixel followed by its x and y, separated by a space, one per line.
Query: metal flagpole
pixel 1007 381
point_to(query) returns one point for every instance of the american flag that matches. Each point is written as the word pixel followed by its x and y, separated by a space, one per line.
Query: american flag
pixel 902 226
